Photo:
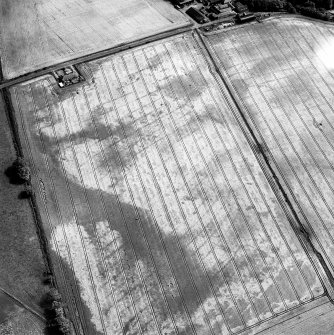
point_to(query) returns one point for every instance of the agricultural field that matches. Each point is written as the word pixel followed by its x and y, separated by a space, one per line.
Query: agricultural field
pixel 39 33
pixel 15 320
pixel 283 74
pixel 160 218
pixel 22 263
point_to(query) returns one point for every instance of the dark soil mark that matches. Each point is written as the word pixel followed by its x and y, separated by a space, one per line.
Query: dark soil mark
pixel 130 223
pixel 80 316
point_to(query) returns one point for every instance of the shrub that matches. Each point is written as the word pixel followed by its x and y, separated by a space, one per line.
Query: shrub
pixel 53 296
pixel 266 5
pixel 311 12
pixel 57 309
pixel 26 193
pixel 18 172
pixel 290 8
pixel 22 169
pixel 309 4
pixel 54 312
pixel 48 279
pixel 63 325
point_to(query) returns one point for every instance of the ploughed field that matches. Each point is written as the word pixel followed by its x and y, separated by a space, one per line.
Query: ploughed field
pixel 283 74
pixel 160 217
pixel 36 34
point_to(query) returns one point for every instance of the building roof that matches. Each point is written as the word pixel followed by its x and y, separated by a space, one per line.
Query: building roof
pixel 246 17
pixel 196 15
pixel 181 2
pixel 214 1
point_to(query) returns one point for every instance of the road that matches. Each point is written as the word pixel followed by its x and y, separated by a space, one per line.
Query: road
pixel 96 55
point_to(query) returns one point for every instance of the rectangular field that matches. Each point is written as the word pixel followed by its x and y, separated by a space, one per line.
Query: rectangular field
pixel 283 73
pixel 159 215
pixel 35 34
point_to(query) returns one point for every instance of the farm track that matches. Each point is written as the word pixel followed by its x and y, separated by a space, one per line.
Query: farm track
pixel 169 301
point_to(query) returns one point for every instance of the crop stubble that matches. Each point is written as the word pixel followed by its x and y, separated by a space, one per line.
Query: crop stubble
pixel 36 34
pixel 282 72
pixel 154 200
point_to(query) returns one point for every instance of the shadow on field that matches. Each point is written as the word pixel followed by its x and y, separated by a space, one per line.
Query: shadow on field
pixel 138 230
pixel 80 317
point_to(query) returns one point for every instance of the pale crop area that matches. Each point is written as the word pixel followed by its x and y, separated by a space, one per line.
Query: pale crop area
pixel 283 74
pixel 39 33
pixel 160 218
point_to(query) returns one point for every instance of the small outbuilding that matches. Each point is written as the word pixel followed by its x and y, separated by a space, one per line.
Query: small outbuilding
pixel 182 3
pixel 240 8
pixel 245 17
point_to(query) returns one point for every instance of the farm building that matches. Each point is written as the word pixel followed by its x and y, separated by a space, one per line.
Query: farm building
pixel 214 2
pixel 67 76
pixel 196 15
pixel 214 10
pixel 240 8
pixel 223 6
pixel 182 3
pixel 217 2
pixel 217 10
pixel 228 13
pixel 245 17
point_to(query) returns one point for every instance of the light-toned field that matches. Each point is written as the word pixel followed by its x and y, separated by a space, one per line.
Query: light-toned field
pixel 283 72
pixel 160 217
pixel 39 33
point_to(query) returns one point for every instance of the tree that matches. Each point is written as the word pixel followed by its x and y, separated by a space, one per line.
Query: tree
pixel 53 296
pixel 290 8
pixel 57 321
pixel 18 172
pixel 327 4
pixel 309 4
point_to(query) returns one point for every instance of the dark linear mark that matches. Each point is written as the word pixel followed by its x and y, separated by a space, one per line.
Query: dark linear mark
pixel 302 231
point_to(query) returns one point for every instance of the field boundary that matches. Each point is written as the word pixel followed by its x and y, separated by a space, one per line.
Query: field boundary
pixel 44 244
pixel 292 313
pixel 40 231
pixel 283 198
pixel 22 304
pixel 259 150
pixel 96 55
pixel 298 16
